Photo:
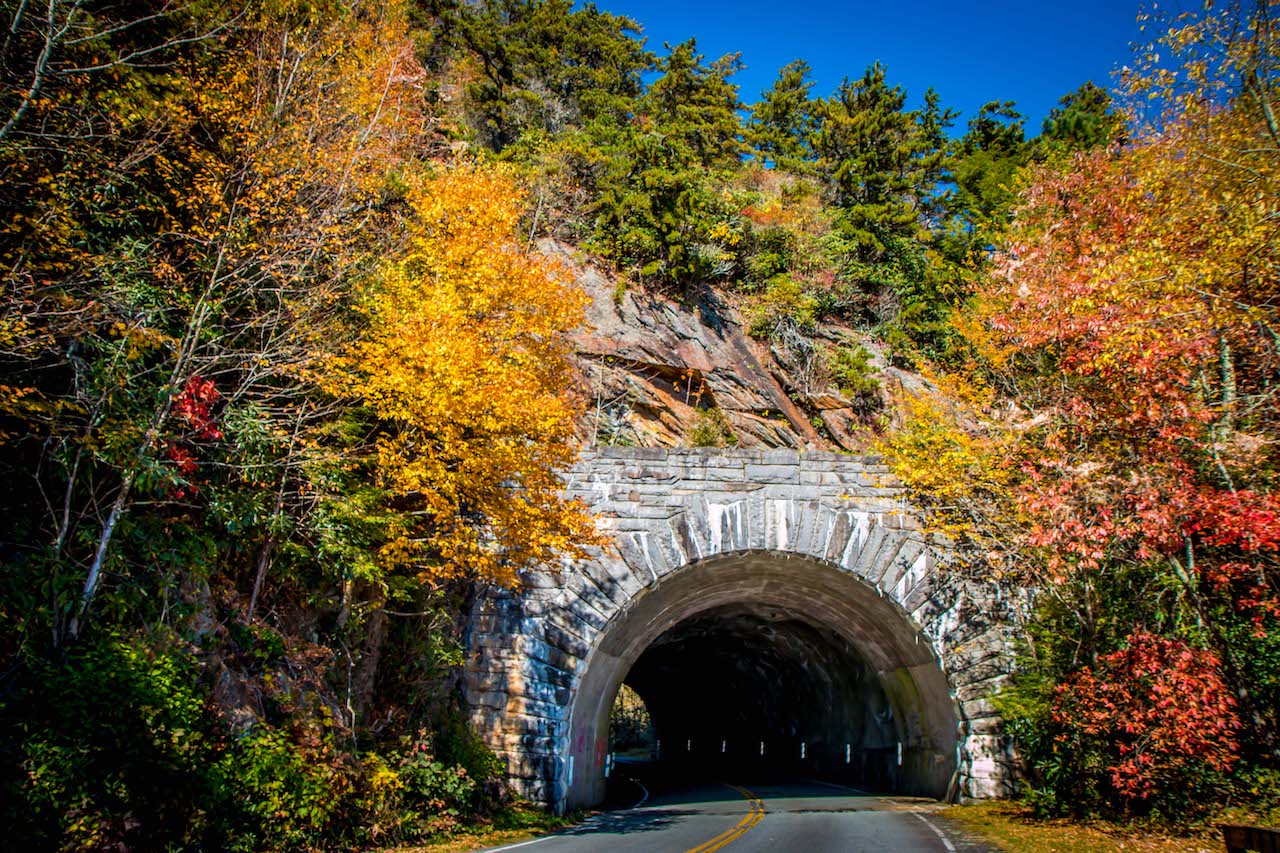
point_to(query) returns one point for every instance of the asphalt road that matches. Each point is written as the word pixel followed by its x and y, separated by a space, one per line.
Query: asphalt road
pixel 802 816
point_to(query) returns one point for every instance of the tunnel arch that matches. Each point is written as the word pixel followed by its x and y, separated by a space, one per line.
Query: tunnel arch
pixel 823 545
pixel 810 590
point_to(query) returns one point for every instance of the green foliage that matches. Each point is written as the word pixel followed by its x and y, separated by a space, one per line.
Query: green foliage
pixel 696 104
pixel 778 129
pixel 850 368
pixel 544 65
pixel 654 209
pixel 1083 119
pixel 630 725
pixel 712 429
pixel 118 745
pixel 110 747
pixel 784 307
pixel 990 155
pixel 870 153
pixel 290 796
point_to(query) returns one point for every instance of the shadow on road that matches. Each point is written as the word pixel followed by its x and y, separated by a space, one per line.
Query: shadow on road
pixel 628 822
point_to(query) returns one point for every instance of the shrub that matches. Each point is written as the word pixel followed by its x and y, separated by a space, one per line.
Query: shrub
pixel 288 794
pixel 712 430
pixel 108 748
pixel 1151 729
pixel 785 306
pixel 853 374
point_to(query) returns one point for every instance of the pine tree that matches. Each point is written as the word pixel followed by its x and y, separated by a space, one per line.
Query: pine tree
pixel 544 65
pixel 1082 120
pixel 780 124
pixel 868 149
pixel 989 157
pixel 697 104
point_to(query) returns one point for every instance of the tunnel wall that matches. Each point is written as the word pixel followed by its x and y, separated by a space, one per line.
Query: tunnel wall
pixel 828 534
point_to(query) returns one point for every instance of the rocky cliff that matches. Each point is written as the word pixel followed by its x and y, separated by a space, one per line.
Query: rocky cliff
pixel 666 371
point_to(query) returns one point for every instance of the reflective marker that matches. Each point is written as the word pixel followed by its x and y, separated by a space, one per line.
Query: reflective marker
pixel 802 749
pixel 722 746
pixel 846 753
pixel 762 747
pixel 899 753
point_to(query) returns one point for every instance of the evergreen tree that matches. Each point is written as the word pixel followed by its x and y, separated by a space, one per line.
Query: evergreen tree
pixel 1082 119
pixel 868 149
pixel 780 124
pixel 697 104
pixel 545 65
pixel 989 157
pixel 653 208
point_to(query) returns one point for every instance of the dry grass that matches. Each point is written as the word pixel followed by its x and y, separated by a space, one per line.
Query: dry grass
pixel 1010 827
pixel 519 823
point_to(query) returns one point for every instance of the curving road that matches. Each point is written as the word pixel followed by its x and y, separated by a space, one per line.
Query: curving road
pixel 804 816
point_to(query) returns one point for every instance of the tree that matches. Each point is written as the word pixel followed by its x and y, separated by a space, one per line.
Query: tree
pixel 1083 119
pixel 867 146
pixel 696 104
pixel 987 162
pixel 544 65
pixel 1137 300
pixel 463 370
pixel 781 121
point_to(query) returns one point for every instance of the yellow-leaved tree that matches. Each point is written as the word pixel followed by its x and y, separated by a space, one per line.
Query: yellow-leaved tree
pixel 462 362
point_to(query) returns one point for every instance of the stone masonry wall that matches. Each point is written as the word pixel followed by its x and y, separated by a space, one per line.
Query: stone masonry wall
pixel 669 509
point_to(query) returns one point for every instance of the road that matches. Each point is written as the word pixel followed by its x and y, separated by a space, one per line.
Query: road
pixel 808 817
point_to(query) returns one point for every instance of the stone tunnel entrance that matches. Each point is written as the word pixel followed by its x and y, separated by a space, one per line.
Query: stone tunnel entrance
pixel 763 662
pixel 748 596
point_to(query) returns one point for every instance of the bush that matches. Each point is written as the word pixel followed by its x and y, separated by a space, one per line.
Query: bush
pixel 1150 730
pixel 712 430
pixel 853 374
pixel 118 746
pixel 107 748
pixel 287 794
pixel 786 306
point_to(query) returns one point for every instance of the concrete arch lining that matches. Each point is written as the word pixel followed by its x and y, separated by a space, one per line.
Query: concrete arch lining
pixel 809 589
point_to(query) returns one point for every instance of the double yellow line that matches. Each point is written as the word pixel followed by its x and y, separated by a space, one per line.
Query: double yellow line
pixel 754 816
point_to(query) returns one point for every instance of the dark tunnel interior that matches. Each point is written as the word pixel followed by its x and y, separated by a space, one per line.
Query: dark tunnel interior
pixel 757 690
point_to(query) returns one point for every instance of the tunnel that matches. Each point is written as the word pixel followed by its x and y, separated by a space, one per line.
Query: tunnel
pixel 765 664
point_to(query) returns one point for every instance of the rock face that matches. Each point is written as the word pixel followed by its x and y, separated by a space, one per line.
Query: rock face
pixel 818 548
pixel 654 367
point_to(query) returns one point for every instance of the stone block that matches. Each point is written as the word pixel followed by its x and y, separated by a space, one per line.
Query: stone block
pixel 762 473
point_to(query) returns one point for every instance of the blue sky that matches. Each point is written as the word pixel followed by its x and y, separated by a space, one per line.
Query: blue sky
pixel 1032 52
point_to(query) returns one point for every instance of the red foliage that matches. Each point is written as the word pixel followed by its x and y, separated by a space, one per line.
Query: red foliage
pixel 1160 707
pixel 182 458
pixel 1241 519
pixel 192 407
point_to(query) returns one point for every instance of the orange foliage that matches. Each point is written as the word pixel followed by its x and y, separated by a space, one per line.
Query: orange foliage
pixel 465 361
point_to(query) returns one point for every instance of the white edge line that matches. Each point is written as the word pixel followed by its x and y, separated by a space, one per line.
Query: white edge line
pixel 586 822
pixel 946 842
pixel 519 844
pixel 643 799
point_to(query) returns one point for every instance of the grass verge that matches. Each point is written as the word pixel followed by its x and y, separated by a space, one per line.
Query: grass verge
pixel 520 822
pixel 1009 826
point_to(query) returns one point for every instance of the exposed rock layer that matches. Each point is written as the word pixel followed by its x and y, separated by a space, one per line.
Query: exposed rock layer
pixel 653 366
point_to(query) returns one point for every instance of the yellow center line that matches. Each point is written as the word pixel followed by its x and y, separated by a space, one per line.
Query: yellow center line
pixel 752 817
